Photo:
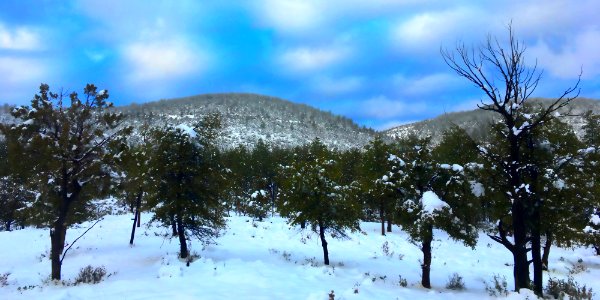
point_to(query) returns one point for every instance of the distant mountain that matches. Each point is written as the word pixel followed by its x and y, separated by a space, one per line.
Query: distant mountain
pixel 248 118
pixel 476 122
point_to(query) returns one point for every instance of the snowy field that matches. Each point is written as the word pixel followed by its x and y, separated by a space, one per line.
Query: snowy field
pixel 262 260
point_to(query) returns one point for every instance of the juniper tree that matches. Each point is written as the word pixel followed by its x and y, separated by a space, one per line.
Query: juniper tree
pixel 379 192
pixel 65 142
pixel 313 195
pixel 14 195
pixel 433 195
pixel 591 170
pixel 136 180
pixel 188 182
pixel 507 81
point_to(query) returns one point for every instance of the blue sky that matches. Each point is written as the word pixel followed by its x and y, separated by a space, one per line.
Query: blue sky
pixel 374 61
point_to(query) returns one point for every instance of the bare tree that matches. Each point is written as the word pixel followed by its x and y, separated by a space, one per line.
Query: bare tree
pixel 500 71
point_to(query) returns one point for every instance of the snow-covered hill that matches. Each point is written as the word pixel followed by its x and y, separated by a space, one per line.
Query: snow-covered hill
pixel 477 121
pixel 250 117
pixel 262 260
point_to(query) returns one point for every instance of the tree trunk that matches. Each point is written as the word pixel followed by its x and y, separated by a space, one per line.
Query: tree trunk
pixel 426 266
pixel 537 260
pixel 389 225
pixel 382 218
pixel 521 264
pixel 7 225
pixel 546 255
pixel 182 242
pixel 136 217
pixel 173 226
pixel 323 242
pixel 303 224
pixel 58 234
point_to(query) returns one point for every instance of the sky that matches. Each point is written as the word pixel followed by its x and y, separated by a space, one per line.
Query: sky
pixel 377 62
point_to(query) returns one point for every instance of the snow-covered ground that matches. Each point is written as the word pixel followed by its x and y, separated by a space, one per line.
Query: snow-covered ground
pixel 261 260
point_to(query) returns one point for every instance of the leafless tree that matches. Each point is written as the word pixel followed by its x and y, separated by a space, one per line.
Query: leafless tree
pixel 501 72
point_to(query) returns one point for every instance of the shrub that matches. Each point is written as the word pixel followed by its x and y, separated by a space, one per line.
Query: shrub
pixel 402 281
pixel 91 275
pixel 455 282
pixel 4 279
pixel 578 267
pixel 559 288
pixel 498 287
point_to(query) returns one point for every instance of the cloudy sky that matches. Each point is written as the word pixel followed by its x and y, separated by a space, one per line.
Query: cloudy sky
pixel 375 61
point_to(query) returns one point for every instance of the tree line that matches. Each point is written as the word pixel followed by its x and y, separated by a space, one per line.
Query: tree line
pixel 530 186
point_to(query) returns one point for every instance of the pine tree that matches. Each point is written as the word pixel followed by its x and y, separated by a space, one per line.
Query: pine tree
pixel 592 178
pixel 434 195
pixel 188 182
pixel 66 147
pixel 313 195
pixel 379 192
pixel 14 195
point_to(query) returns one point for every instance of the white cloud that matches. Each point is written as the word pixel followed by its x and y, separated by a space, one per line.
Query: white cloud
pixel 305 59
pixel 428 30
pixel 382 107
pixel 20 78
pixel 290 16
pixel 566 62
pixel 166 59
pixel 20 38
pixel 305 16
pixel 428 84
pixel 335 86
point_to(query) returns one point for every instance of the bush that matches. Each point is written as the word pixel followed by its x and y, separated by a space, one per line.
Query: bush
pixel 4 279
pixel 455 282
pixel 498 287
pixel 559 288
pixel 91 275
pixel 402 281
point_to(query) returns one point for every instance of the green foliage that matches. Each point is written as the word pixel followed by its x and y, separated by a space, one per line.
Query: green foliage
pixel 187 183
pixel 590 177
pixel 377 188
pixel 63 150
pixel 420 177
pixel 312 193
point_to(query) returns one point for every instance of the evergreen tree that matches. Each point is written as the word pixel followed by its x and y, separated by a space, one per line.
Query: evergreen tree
pixel 66 149
pixel 434 195
pixel 136 180
pixel 313 195
pixel 188 182
pixel 378 191
pixel 591 172
pixel 14 195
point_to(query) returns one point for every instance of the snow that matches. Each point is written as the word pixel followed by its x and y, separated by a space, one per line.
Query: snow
pixel 595 219
pixel 269 260
pixel 477 189
pixel 187 130
pixel 432 203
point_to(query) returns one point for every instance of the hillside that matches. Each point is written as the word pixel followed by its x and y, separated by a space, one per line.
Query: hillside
pixel 250 117
pixel 476 122
pixel 246 119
